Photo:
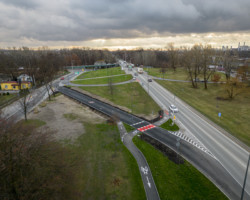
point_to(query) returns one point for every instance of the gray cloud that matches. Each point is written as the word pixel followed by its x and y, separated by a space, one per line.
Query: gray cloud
pixel 79 20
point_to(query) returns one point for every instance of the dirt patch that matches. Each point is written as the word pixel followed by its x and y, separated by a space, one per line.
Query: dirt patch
pixel 56 115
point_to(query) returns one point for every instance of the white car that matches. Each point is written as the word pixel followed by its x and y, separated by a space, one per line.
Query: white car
pixel 173 108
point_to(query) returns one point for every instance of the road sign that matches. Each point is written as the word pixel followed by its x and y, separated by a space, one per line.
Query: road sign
pixel 219 114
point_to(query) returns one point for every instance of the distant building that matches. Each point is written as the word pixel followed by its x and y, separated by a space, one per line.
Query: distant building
pixel 100 62
pixel 244 47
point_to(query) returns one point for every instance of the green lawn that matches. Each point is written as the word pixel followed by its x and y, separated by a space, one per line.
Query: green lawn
pixel 109 171
pixel 179 74
pixel 128 127
pixel 168 126
pixel 130 95
pixel 177 181
pixel 114 79
pixel 101 73
pixel 235 113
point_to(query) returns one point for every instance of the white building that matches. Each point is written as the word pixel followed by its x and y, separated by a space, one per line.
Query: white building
pixel 24 77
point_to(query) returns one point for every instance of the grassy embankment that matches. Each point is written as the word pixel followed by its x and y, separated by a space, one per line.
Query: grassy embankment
pixel 128 127
pixel 114 79
pixel 110 171
pixel 130 95
pixel 101 73
pixel 179 74
pixel 177 181
pixel 235 114
pixel 168 126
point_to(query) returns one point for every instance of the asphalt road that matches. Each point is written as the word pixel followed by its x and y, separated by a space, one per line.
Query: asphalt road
pixel 204 162
pixel 232 156
pixel 147 178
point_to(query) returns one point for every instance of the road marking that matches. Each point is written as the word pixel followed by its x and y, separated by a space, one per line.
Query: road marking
pixel 137 123
pixel 145 128
pixel 149 184
pixel 144 170
pixel 190 141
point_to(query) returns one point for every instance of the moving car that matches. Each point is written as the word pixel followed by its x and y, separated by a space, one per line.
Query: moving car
pixel 62 78
pixel 134 78
pixel 149 80
pixel 173 108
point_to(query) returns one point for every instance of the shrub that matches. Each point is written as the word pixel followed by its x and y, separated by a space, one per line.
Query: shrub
pixel 8 93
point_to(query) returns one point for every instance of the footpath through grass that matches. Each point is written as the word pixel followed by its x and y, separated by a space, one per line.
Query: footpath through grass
pixel 109 171
pixel 235 114
pixel 179 74
pixel 101 73
pixel 177 181
pixel 107 80
pixel 130 95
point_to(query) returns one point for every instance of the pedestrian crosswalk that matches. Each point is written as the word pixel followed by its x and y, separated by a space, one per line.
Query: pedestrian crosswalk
pixel 145 128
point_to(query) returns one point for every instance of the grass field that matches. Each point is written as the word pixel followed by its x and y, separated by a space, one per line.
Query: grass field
pixel 168 126
pixel 33 122
pixel 130 95
pixel 5 98
pixel 179 74
pixel 114 79
pixel 235 114
pixel 101 73
pixel 110 171
pixel 177 181
pixel 128 127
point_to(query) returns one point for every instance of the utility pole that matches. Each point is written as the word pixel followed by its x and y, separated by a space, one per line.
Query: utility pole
pixel 244 184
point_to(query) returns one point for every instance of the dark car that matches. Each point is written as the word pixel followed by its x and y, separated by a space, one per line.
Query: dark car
pixel 150 80
pixel 135 74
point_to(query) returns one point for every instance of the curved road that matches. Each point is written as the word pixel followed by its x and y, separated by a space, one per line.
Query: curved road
pixel 203 161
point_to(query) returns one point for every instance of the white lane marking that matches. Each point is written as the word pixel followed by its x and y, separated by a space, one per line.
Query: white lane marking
pixel 199 127
pixel 149 184
pixel 183 104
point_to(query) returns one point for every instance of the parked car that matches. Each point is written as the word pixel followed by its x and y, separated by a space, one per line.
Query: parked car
pixel 150 80
pixel 134 78
pixel 62 78
pixel 173 108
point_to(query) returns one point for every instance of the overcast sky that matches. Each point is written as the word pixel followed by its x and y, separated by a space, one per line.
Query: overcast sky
pixel 123 23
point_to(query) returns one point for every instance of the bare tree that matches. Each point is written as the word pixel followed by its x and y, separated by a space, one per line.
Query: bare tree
pixel 25 102
pixel 32 166
pixel 207 54
pixel 187 62
pixel 173 55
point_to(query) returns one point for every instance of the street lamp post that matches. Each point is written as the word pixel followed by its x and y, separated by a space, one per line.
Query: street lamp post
pixel 244 184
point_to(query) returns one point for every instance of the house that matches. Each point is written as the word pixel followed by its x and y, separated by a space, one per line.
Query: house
pixel 25 85
pixel 10 85
pixel 14 85
pixel 24 77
